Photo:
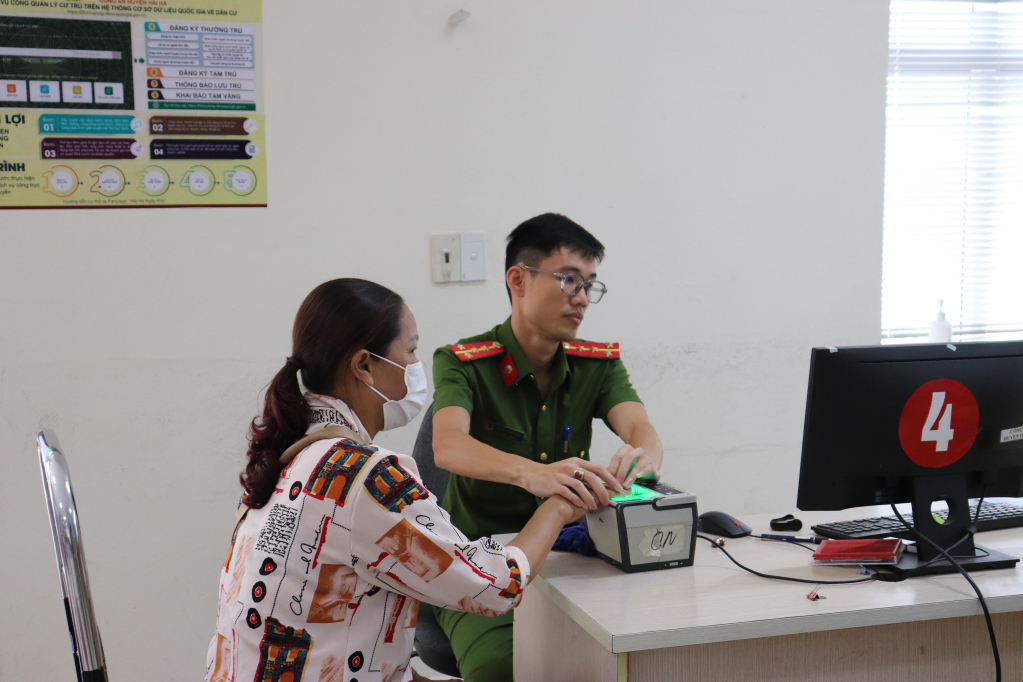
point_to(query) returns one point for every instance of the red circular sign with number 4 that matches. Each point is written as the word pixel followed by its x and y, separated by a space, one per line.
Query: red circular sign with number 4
pixel 939 423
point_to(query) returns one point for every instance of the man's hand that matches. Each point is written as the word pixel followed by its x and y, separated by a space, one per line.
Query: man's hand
pixel 548 480
pixel 622 462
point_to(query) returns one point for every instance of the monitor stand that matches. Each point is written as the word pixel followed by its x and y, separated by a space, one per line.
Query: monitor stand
pixel 950 488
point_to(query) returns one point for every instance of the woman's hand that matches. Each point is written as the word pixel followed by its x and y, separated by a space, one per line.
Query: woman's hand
pixel 566 511
pixel 541 531
pixel 589 492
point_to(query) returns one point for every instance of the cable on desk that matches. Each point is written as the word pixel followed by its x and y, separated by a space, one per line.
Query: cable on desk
pixel 912 573
pixel 951 559
pixel 784 577
pixel 798 544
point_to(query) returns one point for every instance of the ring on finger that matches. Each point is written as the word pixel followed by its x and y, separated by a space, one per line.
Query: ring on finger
pixel 579 473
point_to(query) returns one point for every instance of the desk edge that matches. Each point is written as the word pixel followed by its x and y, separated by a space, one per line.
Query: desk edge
pixel 709 634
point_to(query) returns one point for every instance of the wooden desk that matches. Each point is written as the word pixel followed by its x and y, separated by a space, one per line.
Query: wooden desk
pixel 582 619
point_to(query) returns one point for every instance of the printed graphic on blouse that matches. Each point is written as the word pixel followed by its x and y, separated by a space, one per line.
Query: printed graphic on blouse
pixel 332 670
pixel 413 614
pixel 392 487
pixel 222 666
pixel 328 416
pixel 333 476
pixel 335 590
pixel 278 531
pixel 282 653
pixel 392 673
pixel 515 586
pixel 470 605
pixel 413 550
pixel 235 586
pixel 395 615
pixel 234 537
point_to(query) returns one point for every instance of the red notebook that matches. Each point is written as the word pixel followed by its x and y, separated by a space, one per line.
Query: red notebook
pixel 855 552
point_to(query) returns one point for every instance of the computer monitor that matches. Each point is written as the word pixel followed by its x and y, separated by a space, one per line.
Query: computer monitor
pixel 915 423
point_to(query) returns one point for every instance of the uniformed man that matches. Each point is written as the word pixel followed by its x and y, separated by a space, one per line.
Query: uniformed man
pixel 514 409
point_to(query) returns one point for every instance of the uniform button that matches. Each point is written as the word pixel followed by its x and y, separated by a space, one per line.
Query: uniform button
pixel 582 452
pixel 543 409
pixel 543 456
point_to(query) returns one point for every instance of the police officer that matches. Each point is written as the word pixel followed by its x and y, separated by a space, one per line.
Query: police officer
pixel 514 409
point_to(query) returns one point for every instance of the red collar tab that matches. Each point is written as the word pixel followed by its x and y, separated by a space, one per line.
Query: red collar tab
pixel 607 351
pixel 509 372
pixel 475 351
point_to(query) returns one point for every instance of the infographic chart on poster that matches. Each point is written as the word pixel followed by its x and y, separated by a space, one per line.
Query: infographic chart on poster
pixel 131 103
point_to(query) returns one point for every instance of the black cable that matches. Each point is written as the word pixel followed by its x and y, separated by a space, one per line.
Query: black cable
pixel 969 534
pixel 802 545
pixel 920 567
pixel 980 595
pixel 783 577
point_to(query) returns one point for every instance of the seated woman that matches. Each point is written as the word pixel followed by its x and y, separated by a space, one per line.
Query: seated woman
pixel 339 543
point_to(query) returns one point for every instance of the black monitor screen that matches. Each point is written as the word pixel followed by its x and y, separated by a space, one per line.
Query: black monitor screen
pixel 877 416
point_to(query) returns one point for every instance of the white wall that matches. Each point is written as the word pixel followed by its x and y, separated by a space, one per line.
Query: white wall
pixel 728 153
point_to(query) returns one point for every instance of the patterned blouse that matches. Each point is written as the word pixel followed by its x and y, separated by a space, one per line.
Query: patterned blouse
pixel 323 583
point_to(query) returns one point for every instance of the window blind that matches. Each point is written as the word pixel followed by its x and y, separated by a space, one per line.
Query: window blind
pixel 953 206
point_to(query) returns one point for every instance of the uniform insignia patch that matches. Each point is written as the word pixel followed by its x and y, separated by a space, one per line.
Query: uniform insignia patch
pixel 607 351
pixel 475 351
pixel 509 372
pixel 392 487
pixel 333 476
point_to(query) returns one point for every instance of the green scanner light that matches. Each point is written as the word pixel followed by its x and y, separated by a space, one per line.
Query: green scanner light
pixel 637 492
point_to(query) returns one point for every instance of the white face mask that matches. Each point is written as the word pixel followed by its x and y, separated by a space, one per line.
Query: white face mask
pixel 400 412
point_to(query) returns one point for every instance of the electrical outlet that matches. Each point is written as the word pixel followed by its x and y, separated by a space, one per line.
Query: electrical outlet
pixel 446 257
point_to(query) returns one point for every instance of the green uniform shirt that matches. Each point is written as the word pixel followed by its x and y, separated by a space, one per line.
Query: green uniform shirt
pixel 516 418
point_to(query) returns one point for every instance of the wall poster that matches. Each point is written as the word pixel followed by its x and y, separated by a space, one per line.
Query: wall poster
pixel 131 103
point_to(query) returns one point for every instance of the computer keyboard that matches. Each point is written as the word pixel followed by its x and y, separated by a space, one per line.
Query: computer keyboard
pixel 993 516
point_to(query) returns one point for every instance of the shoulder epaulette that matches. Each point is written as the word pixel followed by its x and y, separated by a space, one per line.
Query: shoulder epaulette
pixel 475 351
pixel 607 351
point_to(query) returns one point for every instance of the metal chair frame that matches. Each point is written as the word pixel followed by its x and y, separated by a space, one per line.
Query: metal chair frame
pixel 90 664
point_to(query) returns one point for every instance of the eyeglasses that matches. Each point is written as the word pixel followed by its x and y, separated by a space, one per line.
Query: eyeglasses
pixel 572 284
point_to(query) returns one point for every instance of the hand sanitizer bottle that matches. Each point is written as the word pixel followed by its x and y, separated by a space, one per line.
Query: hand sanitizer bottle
pixel 941 329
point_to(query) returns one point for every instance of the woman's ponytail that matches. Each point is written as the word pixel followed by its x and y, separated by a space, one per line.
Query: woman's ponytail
pixel 284 421
pixel 335 321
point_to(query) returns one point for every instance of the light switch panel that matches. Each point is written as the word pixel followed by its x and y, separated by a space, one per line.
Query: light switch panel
pixel 474 256
pixel 445 256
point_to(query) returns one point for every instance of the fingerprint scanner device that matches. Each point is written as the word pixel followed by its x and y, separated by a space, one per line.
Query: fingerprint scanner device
pixel 650 528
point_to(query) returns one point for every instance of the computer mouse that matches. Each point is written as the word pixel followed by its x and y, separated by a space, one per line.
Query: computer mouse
pixel 720 523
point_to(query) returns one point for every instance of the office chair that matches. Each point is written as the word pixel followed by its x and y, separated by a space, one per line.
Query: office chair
pixel 90 665
pixel 431 643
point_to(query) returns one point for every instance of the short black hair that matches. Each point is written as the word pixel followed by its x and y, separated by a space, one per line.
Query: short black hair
pixel 539 237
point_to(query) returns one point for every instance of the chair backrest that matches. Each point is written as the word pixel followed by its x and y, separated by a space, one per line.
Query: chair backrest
pixel 435 478
pixel 90 664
